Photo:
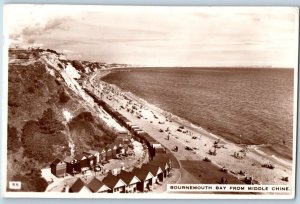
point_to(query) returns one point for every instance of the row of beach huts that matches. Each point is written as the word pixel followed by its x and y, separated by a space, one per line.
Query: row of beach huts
pixel 137 133
pixel 138 180
pixel 91 159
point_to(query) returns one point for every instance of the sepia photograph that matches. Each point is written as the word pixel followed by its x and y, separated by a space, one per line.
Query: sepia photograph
pixel 149 101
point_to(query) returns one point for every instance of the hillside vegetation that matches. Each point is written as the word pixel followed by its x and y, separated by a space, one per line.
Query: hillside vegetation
pixel 38 130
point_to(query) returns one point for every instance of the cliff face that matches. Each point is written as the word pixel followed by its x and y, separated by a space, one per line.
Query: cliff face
pixel 49 114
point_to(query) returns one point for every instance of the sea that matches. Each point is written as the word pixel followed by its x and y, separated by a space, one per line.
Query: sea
pixel 251 106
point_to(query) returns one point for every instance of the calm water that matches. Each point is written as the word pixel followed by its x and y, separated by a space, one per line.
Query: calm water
pixel 251 106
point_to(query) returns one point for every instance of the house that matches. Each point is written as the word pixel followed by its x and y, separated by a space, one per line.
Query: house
pixel 83 162
pixel 73 166
pixel 156 171
pixel 131 181
pixel 115 183
pixel 145 176
pixel 58 168
pixel 96 186
pixel 79 187
pixel 95 155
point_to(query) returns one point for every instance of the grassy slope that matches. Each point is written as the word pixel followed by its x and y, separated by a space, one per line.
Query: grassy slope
pixel 37 130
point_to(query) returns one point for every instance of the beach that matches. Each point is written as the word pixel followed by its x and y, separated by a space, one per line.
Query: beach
pixel 227 159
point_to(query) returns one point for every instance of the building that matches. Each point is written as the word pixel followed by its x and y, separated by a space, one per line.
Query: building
pixel 131 181
pixel 58 168
pixel 96 186
pixel 79 187
pixel 83 162
pixel 120 149
pixel 122 135
pixel 73 166
pixel 92 159
pixel 163 162
pixel 102 154
pixel 114 149
pixel 92 153
pixel 109 152
pixel 156 171
pixel 145 176
pixel 115 183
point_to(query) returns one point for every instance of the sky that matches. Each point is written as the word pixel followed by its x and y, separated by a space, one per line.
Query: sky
pixel 159 36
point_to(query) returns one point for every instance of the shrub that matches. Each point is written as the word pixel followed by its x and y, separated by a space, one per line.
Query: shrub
pixel 78 65
pixel 13 142
pixel 63 97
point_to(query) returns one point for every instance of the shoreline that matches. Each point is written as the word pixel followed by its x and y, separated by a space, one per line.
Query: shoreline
pixel 255 157
pixel 261 149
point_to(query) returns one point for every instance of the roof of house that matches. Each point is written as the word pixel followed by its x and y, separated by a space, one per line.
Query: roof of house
pixel 111 180
pixel 56 161
pixel 100 149
pixel 112 145
pixel 126 176
pixel 153 168
pixel 79 156
pixel 141 173
pixel 77 186
pixel 108 147
pixel 95 185
pixel 93 152
pixel 68 159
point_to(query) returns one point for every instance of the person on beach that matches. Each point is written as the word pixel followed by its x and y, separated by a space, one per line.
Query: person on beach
pixel 168 137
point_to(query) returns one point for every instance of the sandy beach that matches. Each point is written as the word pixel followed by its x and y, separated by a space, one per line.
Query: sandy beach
pixel 237 161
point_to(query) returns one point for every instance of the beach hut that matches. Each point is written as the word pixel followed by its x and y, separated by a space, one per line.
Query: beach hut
pixel 92 159
pixel 131 181
pixel 122 135
pixel 114 147
pixel 96 186
pixel 156 171
pixel 163 163
pixel 93 155
pixel 115 183
pixel 109 152
pixel 145 176
pixel 79 187
pixel 73 166
pixel 102 154
pixel 160 150
pixel 119 147
pixel 83 162
pixel 58 168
